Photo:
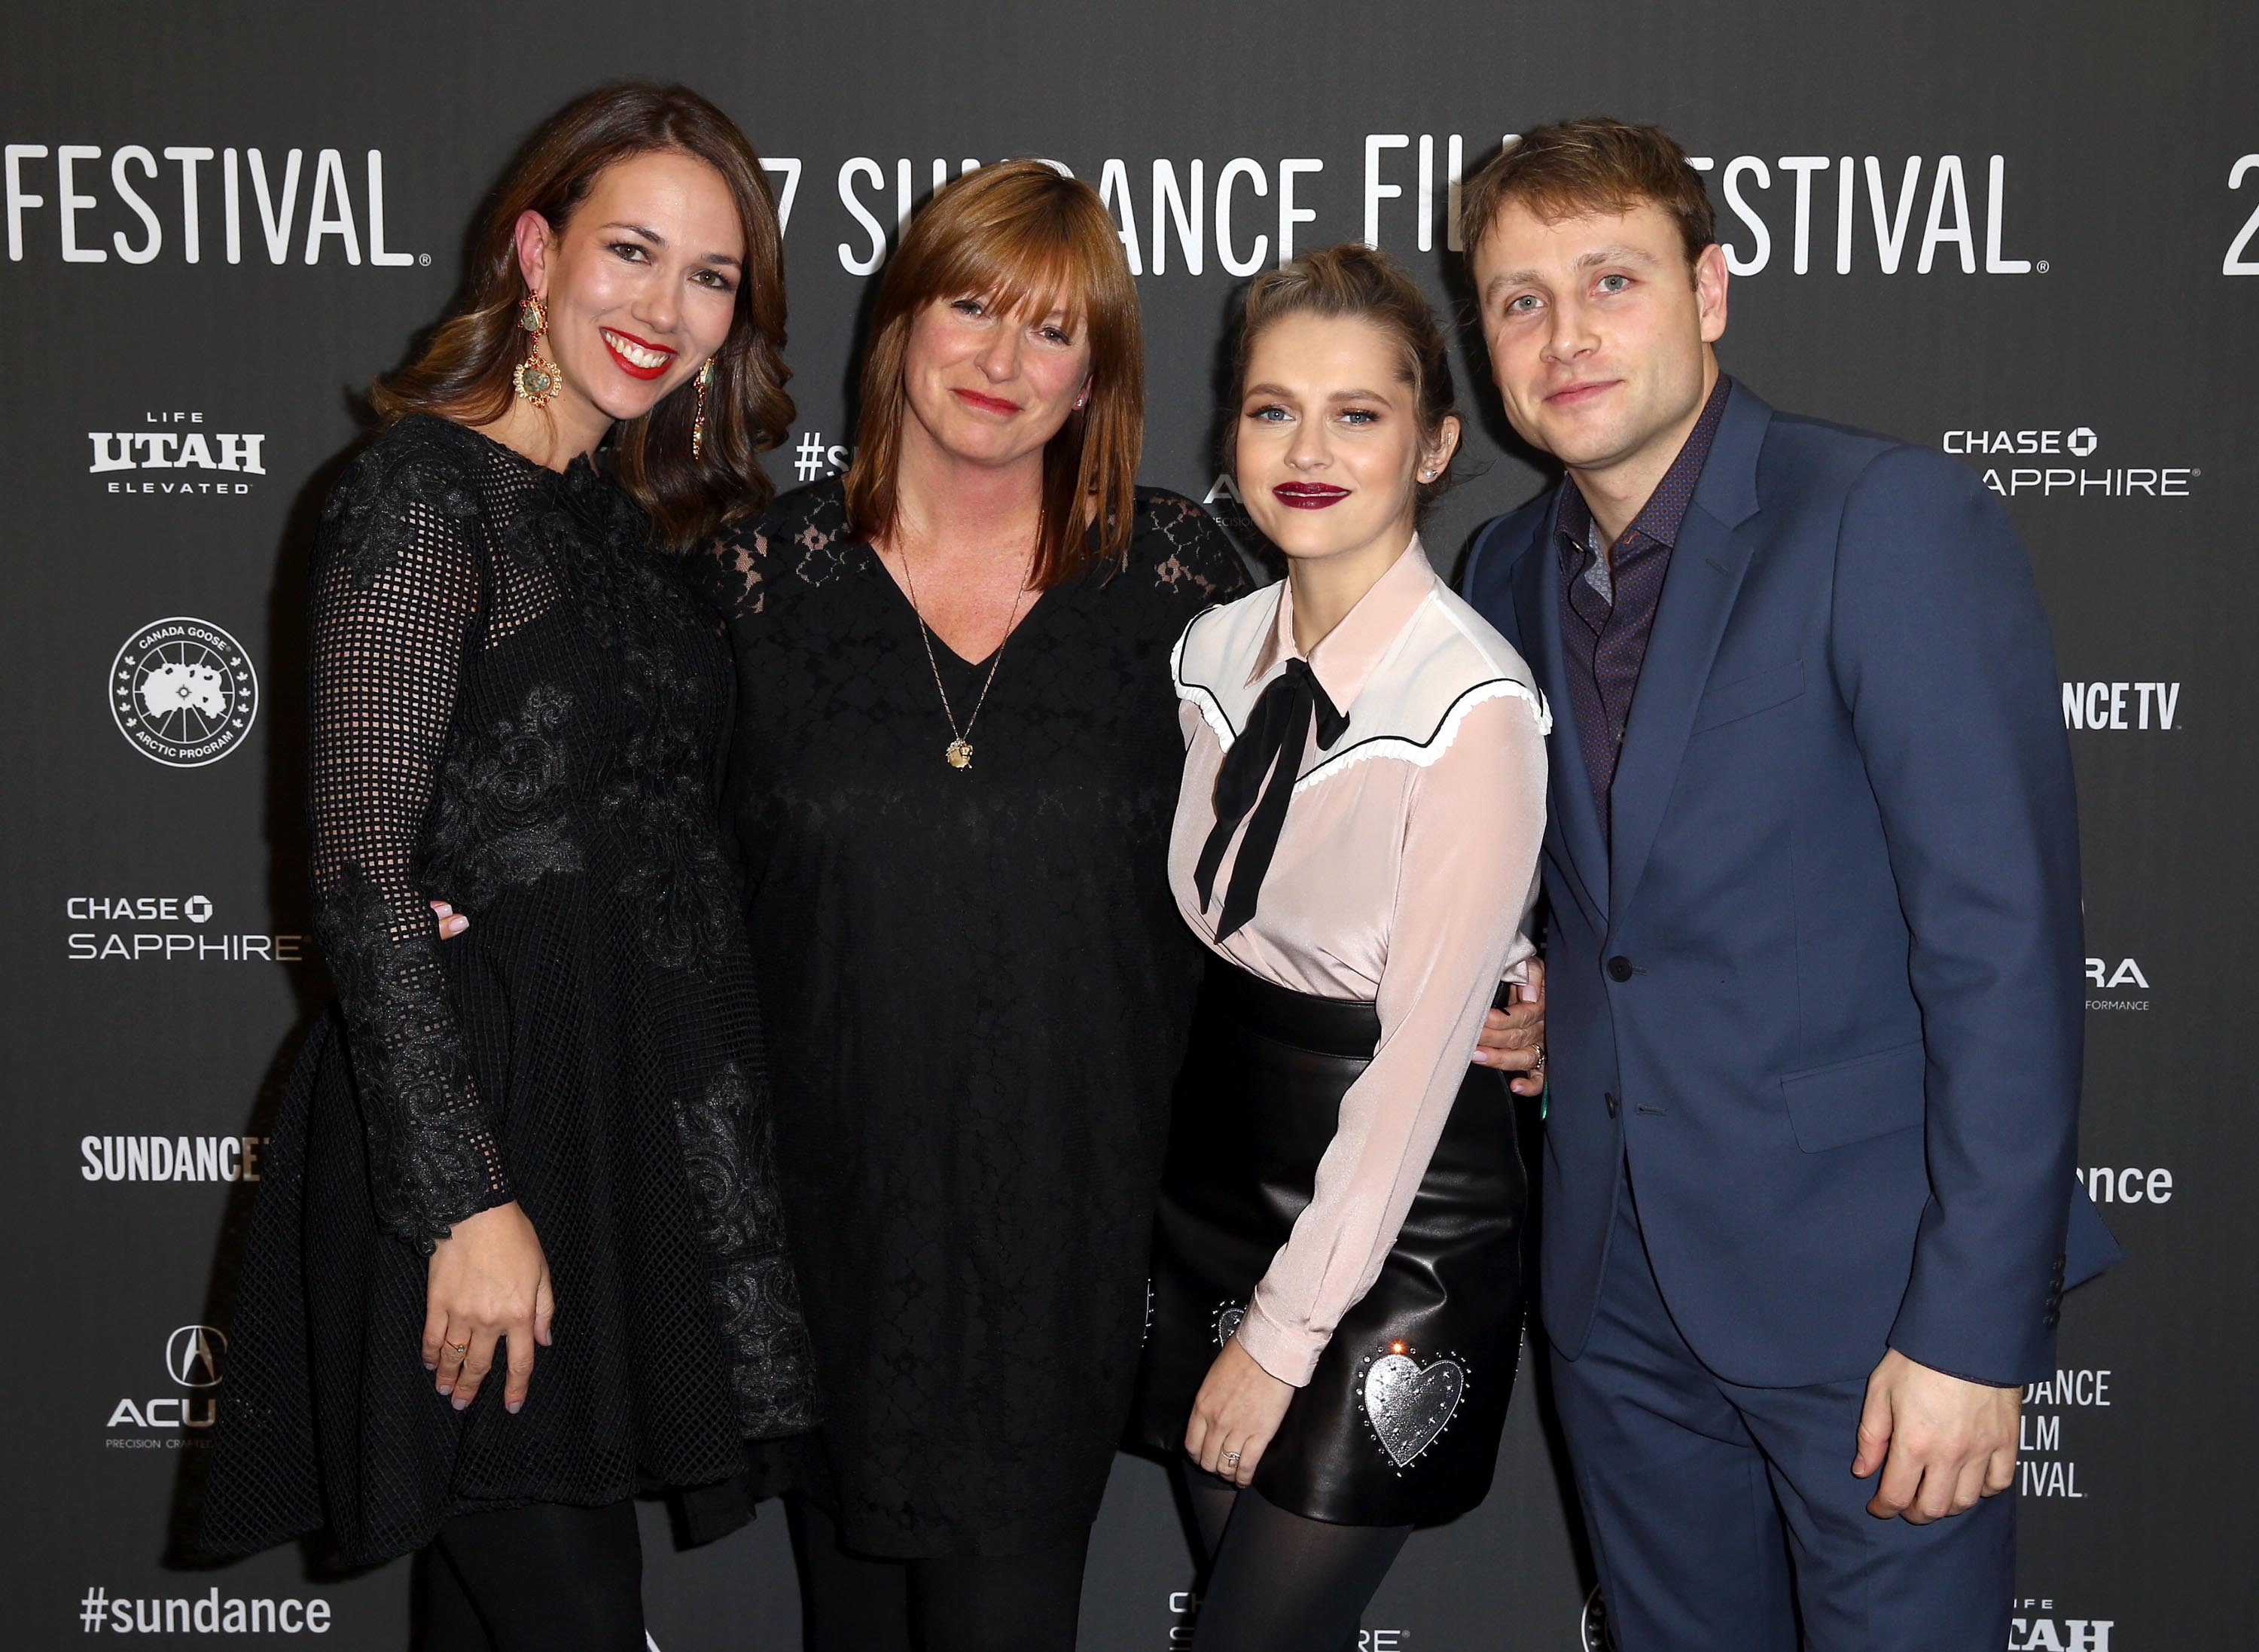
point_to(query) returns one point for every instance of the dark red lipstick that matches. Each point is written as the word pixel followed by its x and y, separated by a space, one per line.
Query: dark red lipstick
pixel 1309 495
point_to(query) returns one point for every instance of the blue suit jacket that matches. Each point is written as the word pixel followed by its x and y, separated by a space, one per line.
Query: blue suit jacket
pixel 1824 990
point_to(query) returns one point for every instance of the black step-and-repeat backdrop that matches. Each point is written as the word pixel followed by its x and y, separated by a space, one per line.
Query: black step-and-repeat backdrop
pixel 2029 236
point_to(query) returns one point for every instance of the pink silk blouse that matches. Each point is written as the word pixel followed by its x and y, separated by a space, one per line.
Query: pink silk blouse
pixel 1404 874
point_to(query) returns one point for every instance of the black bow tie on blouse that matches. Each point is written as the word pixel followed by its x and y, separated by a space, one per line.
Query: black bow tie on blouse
pixel 1271 743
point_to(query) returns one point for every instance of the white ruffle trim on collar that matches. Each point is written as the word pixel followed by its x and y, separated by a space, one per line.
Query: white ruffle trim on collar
pixel 1445 662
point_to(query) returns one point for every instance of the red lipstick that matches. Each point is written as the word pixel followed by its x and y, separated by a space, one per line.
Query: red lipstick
pixel 635 369
pixel 1309 495
pixel 987 403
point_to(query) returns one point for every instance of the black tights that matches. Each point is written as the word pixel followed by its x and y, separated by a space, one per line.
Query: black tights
pixel 959 1603
pixel 1278 1582
pixel 547 1577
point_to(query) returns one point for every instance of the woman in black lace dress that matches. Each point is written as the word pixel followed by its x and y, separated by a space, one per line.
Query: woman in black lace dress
pixel 955 764
pixel 518 1250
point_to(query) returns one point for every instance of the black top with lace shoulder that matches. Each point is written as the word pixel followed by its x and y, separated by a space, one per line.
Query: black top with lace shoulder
pixel 978 990
pixel 517 706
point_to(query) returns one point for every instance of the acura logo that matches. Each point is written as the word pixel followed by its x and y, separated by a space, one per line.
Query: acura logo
pixel 193 1354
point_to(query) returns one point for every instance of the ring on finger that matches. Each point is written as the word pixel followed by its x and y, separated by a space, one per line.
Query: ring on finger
pixel 459 1350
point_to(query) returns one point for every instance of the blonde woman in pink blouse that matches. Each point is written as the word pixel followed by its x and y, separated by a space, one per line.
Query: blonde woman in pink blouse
pixel 1337 1275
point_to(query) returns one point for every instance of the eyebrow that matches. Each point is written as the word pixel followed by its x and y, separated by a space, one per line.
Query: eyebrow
pixel 1338 395
pixel 1616 253
pixel 657 239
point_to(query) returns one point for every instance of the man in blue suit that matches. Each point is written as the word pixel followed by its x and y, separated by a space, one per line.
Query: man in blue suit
pixel 1814 963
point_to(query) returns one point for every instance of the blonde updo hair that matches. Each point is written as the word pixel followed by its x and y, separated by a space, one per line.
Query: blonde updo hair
pixel 1354 281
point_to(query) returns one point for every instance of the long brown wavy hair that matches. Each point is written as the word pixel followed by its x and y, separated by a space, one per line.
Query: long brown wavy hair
pixel 1017 233
pixel 464 372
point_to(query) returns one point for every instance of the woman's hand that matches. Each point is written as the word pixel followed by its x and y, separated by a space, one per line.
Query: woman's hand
pixel 1514 1040
pixel 452 923
pixel 487 1280
pixel 1238 1408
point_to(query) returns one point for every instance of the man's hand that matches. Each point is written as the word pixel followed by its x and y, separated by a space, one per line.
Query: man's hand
pixel 1942 1442
pixel 1514 1040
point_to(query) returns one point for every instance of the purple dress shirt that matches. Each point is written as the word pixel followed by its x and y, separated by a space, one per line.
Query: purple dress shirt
pixel 1607 612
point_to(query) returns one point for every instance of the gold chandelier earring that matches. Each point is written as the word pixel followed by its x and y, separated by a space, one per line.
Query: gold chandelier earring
pixel 536 378
pixel 698 423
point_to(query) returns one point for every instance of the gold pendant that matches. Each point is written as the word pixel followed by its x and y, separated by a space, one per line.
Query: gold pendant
pixel 537 380
pixel 959 754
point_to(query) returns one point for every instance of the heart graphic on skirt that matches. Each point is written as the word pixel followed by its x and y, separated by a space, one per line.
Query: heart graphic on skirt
pixel 1409 1405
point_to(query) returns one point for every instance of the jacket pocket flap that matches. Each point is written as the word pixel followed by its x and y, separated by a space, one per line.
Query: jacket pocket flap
pixel 1748 695
pixel 1856 1099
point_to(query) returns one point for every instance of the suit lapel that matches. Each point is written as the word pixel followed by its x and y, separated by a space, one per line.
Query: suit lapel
pixel 1537 606
pixel 1706 566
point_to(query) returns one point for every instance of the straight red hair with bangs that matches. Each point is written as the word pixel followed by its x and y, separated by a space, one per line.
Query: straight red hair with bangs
pixel 1022 236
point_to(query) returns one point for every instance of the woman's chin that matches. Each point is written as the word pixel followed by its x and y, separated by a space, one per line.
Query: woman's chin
pixel 630 401
pixel 1301 540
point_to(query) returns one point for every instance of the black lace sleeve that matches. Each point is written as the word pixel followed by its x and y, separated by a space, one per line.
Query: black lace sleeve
pixel 1193 560
pixel 801 538
pixel 395 594
pixel 731 572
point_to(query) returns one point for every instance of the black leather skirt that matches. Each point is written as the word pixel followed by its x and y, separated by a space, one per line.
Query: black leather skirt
pixel 1400 1423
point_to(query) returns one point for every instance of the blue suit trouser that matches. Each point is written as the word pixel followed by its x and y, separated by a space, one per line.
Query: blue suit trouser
pixel 1723 1517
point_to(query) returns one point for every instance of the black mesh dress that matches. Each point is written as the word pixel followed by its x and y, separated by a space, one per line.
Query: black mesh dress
pixel 518 707
pixel 978 991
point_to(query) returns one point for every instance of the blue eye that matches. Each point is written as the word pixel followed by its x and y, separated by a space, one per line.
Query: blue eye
pixel 1360 415
pixel 1272 415
pixel 966 306
pixel 1522 305
pixel 1625 287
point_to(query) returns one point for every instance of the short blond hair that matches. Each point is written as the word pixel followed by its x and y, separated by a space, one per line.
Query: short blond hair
pixel 1573 167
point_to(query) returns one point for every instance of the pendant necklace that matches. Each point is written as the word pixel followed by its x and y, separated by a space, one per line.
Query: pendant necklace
pixel 959 753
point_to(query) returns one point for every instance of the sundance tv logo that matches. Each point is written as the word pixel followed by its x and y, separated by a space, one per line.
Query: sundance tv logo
pixel 169 1159
pixel 149 929
pixel 183 693
pixel 2120 705
pixel 2036 464
pixel 195 461
pixel 194 1355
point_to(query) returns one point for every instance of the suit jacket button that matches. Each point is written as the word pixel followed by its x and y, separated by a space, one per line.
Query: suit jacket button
pixel 1620 968
pixel 1609 1097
